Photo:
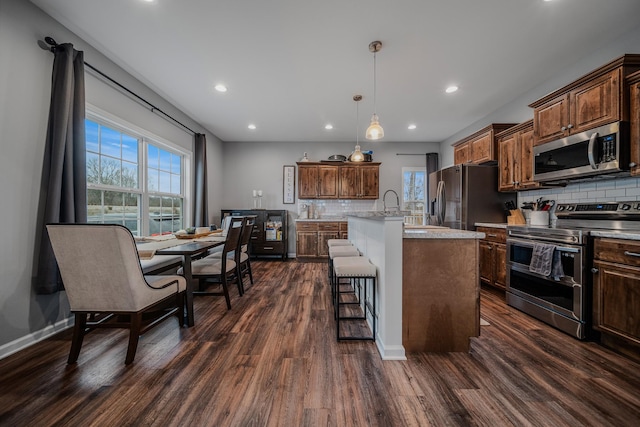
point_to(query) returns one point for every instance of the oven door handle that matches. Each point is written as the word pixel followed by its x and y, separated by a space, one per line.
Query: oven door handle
pixel 530 245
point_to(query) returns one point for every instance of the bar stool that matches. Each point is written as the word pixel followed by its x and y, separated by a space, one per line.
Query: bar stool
pixel 356 270
pixel 338 252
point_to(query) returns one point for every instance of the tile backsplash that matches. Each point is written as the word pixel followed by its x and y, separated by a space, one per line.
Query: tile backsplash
pixel 607 190
pixel 325 208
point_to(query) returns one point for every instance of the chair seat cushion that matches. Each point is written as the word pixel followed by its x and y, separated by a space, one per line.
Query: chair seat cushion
pixel 209 267
pixel 341 251
pixel 218 255
pixel 338 242
pixel 159 282
pixel 159 263
pixel 353 267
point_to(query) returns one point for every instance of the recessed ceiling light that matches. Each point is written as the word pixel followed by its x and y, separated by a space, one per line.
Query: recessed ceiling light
pixel 451 89
pixel 328 126
pixel 149 1
pixel 411 127
pixel 220 88
pixel 252 126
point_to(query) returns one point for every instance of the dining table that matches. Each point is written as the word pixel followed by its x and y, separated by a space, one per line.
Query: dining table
pixel 188 250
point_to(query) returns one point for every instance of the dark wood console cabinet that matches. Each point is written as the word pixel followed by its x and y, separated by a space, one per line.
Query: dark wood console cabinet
pixel 269 236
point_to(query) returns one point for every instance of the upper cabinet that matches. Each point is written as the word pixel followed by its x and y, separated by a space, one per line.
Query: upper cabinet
pixel 515 158
pixel 480 147
pixel 594 100
pixel 634 133
pixel 341 181
pixel 359 181
pixel 317 181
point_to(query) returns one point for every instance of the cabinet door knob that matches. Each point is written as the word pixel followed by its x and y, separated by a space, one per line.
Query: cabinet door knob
pixel 632 165
pixel 563 128
pixel 594 270
pixel 569 126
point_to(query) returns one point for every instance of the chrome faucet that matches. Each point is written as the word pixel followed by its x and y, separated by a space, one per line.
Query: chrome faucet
pixel 384 202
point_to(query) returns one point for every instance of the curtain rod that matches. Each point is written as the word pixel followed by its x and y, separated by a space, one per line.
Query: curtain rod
pixel 52 45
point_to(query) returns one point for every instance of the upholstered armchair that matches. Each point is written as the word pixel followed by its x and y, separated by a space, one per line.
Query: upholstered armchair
pixel 106 288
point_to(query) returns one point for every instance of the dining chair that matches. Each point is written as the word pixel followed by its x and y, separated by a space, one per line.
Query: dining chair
pixel 221 269
pixel 105 285
pixel 244 254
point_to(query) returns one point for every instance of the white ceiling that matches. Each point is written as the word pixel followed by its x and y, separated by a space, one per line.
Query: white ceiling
pixel 292 66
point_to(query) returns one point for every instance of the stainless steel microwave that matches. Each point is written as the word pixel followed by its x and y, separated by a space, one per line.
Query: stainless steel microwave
pixel 598 152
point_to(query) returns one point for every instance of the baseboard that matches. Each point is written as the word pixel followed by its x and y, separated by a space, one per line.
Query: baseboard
pixel 394 352
pixel 23 342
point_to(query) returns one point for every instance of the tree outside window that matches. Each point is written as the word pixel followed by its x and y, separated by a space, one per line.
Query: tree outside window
pixel 413 193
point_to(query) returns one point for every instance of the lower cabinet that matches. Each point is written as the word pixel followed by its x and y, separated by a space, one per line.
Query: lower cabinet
pixel 616 294
pixel 493 257
pixel 312 237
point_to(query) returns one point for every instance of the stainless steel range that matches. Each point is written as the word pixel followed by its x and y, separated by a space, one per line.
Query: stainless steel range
pixel 563 300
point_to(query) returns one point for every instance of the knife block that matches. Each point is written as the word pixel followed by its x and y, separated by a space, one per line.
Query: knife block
pixel 516 217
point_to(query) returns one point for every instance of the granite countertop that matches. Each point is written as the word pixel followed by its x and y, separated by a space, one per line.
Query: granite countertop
pixel 440 233
pixel 629 235
pixel 491 224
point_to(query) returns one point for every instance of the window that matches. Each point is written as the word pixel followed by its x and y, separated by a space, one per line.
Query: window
pixel 413 194
pixel 133 180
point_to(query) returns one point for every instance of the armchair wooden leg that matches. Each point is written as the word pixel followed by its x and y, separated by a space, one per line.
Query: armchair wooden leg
pixel 78 336
pixel 134 336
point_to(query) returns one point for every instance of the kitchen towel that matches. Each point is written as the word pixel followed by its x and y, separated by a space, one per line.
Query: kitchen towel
pixel 542 259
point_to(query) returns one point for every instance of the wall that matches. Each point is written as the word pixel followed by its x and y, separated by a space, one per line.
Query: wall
pixel 25 87
pixel 518 111
pixel 258 166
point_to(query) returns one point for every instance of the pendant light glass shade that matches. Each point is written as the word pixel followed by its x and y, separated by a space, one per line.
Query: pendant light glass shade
pixel 357 155
pixel 374 131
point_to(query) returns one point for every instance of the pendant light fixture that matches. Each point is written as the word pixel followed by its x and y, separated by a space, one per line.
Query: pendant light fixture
pixel 357 155
pixel 374 131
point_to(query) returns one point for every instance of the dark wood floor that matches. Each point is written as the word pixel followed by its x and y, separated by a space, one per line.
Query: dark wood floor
pixel 273 360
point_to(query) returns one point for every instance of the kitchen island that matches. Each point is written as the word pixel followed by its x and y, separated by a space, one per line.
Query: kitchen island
pixel 428 291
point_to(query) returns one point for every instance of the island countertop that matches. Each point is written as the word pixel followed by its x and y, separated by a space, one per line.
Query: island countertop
pixel 435 232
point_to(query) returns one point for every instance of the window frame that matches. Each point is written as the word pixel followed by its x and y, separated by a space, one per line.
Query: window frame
pixel 406 169
pixel 145 138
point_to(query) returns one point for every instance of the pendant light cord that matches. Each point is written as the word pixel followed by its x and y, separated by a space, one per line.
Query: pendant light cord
pixel 374 84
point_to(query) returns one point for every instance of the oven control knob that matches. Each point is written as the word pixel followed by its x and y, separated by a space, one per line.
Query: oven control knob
pixel 560 208
pixel 570 208
pixel 594 270
pixel 625 207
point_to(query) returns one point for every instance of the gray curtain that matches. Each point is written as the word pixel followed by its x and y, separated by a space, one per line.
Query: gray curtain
pixel 200 211
pixel 64 182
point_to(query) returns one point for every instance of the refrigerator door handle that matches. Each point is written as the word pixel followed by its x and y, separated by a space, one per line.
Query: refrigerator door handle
pixel 441 203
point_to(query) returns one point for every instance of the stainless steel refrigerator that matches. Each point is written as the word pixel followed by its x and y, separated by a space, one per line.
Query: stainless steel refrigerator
pixel 462 195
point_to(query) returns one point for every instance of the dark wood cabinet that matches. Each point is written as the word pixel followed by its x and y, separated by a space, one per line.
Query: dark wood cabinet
pixel 480 147
pixel 493 257
pixel 317 181
pixel 342 181
pixel 270 231
pixel 595 99
pixel 634 132
pixel 616 294
pixel 359 182
pixel 515 158
pixel 312 237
